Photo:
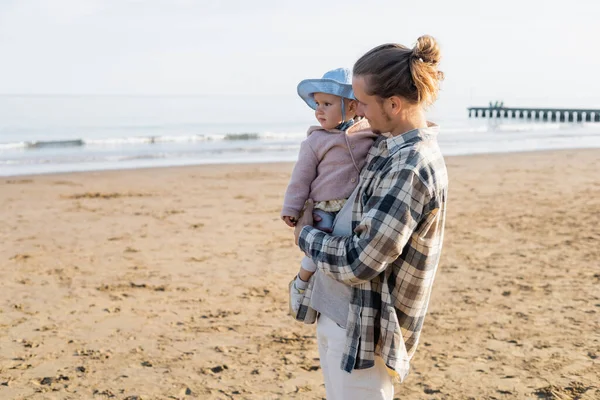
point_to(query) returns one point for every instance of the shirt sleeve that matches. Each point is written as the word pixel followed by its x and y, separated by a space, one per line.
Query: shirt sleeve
pixel 304 173
pixel 394 211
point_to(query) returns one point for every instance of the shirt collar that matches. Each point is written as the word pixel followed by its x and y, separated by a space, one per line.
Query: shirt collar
pixel 395 143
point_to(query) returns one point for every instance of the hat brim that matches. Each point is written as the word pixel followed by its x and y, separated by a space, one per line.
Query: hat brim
pixel 308 87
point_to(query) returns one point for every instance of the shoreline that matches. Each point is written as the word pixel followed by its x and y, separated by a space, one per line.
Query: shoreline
pixel 258 163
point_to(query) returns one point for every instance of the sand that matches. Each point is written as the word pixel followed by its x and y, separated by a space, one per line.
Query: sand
pixel 171 284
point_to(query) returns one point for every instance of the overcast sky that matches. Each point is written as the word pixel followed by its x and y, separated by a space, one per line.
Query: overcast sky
pixel 524 52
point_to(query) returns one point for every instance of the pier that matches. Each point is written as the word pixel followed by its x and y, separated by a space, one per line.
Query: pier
pixel 538 114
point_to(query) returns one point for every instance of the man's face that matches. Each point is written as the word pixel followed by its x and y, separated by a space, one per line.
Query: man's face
pixel 329 110
pixel 370 107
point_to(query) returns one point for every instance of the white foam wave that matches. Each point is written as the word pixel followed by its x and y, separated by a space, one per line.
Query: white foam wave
pixel 145 140
pixel 13 145
pixel 292 137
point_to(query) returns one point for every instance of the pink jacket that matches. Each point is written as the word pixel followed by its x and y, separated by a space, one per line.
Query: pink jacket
pixel 328 166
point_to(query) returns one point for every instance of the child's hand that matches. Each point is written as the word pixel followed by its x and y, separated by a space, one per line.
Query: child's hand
pixel 290 221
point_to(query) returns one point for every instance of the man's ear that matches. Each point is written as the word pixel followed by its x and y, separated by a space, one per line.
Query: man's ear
pixel 395 104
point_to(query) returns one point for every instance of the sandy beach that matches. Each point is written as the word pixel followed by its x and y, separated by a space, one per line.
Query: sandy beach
pixel 172 284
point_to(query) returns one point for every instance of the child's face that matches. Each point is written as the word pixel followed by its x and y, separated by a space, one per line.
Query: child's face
pixel 329 110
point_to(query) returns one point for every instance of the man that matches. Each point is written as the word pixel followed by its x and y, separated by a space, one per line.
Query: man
pixel 369 329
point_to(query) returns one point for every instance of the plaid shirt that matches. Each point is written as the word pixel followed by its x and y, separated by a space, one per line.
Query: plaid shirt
pixel 391 259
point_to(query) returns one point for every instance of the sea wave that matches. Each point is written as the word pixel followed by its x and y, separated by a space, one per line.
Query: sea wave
pixel 269 137
pixel 137 140
pixel 13 145
pixel 76 158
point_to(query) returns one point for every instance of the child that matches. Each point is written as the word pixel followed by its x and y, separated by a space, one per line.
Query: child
pixel 330 160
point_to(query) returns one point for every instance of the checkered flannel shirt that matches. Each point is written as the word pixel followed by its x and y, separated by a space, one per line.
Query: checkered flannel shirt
pixel 391 259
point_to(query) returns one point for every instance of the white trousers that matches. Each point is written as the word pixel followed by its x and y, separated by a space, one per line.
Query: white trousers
pixel 362 384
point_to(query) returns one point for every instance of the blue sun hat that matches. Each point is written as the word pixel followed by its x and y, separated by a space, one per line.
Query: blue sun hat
pixel 337 82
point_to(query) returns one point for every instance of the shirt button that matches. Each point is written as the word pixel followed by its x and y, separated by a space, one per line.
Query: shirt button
pixel 353 147
pixel 352 180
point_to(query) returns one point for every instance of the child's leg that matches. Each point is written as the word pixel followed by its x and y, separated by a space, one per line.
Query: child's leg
pixel 307 266
pixel 326 222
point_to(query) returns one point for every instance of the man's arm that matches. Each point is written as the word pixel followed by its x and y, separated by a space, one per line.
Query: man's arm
pixel 395 209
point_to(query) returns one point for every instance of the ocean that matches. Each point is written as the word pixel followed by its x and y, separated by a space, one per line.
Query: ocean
pixel 52 134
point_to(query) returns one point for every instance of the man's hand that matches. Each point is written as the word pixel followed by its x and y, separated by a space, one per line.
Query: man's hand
pixel 306 218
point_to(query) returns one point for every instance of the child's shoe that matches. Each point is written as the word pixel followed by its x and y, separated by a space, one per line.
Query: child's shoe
pixel 296 296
